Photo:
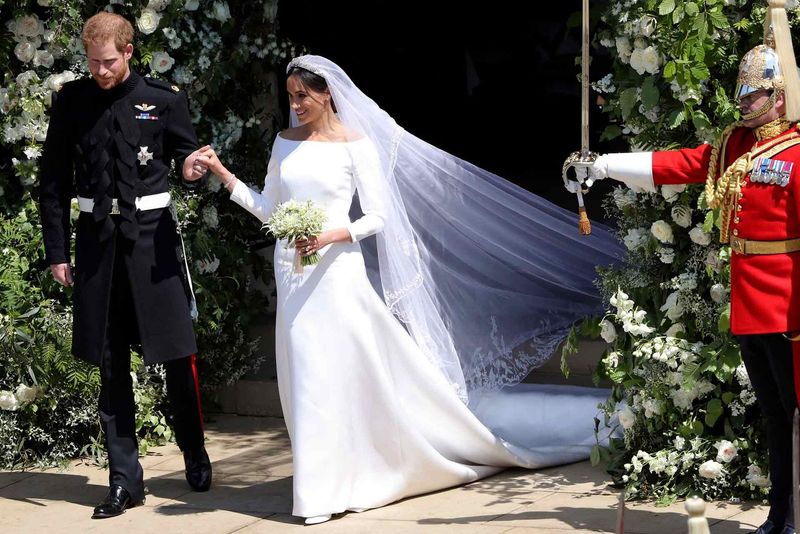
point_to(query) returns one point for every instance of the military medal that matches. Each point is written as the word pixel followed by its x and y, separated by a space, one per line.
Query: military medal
pixel 144 155
pixel 771 171
pixel 145 112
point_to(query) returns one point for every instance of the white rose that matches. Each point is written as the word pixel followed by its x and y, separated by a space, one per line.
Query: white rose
pixel 8 401
pixel 671 192
pixel 699 236
pixel 54 82
pixel 662 231
pixel 43 58
pixel 162 62
pixel 675 329
pixel 624 197
pixel 635 238
pixel 651 59
pixel 221 11
pixel 157 5
pixel 718 293
pixel 29 26
pixel 25 51
pixel 623 48
pixel 756 478
pixel 26 394
pixel 607 331
pixel 26 78
pixel 673 307
pixel 711 469
pixel 682 215
pixel 191 5
pixel 626 417
pixel 666 255
pixel 640 43
pixel 148 21
pixel 712 260
pixel 210 216
pixel 726 451
pixel 648 25
pixel 637 60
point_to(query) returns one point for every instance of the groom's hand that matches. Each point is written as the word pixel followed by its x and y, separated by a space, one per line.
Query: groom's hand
pixel 195 166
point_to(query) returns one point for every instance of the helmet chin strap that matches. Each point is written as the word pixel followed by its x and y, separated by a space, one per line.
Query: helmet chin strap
pixel 763 109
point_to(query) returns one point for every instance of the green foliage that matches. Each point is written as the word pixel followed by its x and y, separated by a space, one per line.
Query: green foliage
pixel 681 404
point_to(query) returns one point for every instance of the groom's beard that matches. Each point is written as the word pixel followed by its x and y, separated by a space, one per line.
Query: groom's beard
pixel 113 81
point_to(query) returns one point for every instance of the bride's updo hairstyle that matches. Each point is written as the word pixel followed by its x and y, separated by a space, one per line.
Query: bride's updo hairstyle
pixel 313 81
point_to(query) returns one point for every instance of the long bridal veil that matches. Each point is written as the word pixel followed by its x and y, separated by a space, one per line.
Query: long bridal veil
pixel 485 276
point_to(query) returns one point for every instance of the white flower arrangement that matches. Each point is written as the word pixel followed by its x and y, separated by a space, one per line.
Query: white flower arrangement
pixel 295 219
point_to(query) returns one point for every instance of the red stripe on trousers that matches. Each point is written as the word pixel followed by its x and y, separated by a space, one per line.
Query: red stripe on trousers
pixel 197 389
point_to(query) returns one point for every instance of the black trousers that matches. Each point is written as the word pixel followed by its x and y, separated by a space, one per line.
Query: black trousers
pixel 116 403
pixel 768 359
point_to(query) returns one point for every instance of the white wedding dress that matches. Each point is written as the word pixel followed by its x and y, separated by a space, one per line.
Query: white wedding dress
pixel 371 419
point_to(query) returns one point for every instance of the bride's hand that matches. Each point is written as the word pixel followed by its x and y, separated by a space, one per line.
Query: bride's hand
pixel 209 157
pixel 310 245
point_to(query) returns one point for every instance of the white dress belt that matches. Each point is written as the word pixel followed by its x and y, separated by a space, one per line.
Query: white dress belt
pixel 149 202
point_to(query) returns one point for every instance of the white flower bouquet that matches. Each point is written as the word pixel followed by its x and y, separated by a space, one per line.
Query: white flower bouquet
pixel 295 220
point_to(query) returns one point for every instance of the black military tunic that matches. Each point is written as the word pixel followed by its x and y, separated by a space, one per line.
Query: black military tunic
pixel 119 144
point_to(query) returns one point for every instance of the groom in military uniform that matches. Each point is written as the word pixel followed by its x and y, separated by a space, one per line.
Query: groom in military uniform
pixel 111 142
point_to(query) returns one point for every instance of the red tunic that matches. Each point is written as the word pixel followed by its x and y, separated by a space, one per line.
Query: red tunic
pixel 765 289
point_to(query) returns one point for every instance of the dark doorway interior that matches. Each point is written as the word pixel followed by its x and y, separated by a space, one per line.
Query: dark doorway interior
pixel 494 84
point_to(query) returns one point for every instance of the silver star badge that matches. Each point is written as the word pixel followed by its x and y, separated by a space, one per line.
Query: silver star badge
pixel 144 155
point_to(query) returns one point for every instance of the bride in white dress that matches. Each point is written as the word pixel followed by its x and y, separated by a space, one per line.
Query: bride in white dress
pixel 390 395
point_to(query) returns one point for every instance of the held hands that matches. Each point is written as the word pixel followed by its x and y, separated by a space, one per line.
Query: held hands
pixel 62 272
pixel 208 157
pixel 195 166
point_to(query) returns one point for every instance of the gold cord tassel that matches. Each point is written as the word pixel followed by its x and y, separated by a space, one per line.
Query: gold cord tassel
pixel 584 224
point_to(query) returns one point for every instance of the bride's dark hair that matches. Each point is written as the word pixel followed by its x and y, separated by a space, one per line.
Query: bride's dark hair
pixel 311 80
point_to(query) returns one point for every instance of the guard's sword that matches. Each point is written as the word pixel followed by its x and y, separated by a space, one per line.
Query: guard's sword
pixel 584 157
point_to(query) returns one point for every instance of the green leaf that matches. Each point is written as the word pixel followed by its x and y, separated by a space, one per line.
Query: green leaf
pixel 669 70
pixel 612 131
pixel 677 15
pixel 666 7
pixel 698 428
pixel 708 223
pixel 627 101
pixel 691 9
pixel 714 410
pixel 727 397
pixel 719 20
pixel 700 72
pixel 676 118
pixel 650 93
pixel 724 322
pixel 700 121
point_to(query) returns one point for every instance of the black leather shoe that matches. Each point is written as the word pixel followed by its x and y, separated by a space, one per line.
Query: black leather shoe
pixel 198 469
pixel 116 502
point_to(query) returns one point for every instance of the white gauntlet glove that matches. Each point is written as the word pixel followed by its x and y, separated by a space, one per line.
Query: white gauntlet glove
pixel 634 169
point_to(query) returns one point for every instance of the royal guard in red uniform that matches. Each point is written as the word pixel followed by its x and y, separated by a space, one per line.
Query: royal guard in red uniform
pixel 753 175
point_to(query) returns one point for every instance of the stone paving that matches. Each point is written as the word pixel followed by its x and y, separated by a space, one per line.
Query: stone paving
pixel 252 493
